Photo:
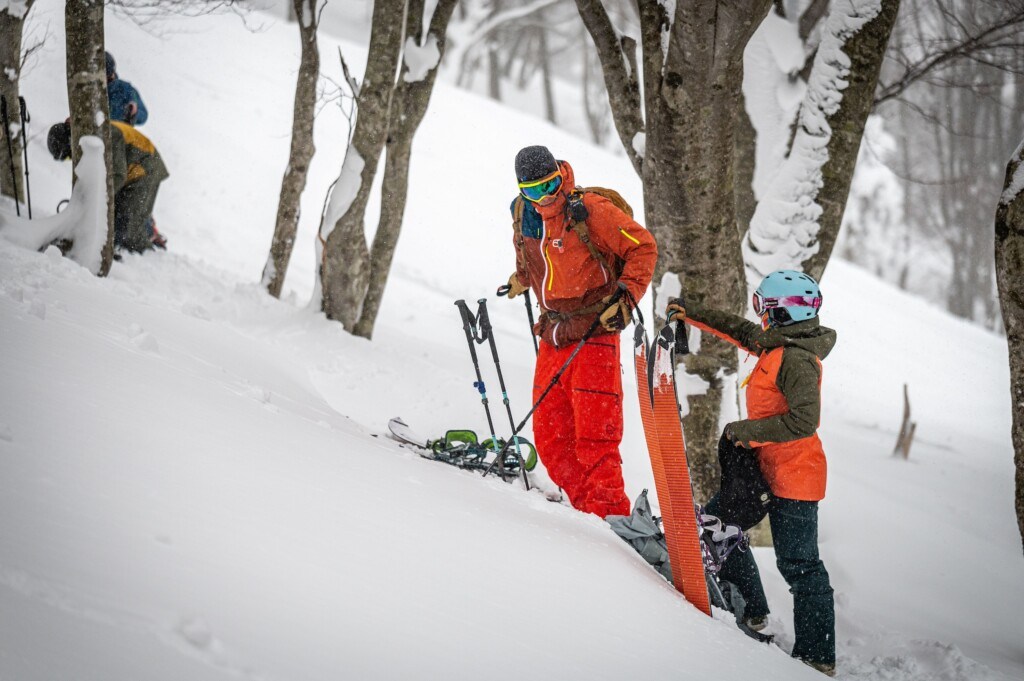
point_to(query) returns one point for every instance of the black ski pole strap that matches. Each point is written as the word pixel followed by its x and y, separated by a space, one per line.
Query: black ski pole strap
pixel 483 320
pixel 682 342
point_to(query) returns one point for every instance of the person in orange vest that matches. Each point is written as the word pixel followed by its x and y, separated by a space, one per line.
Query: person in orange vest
pixel 783 413
pixel 573 249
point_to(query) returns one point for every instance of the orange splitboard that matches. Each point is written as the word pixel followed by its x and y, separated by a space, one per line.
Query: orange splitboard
pixel 659 411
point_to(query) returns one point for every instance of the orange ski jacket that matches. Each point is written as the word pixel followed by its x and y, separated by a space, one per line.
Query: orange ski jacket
pixel 565 277
pixel 783 398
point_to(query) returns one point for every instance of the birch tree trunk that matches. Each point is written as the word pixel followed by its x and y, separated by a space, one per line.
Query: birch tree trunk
pixel 87 95
pixel 409 105
pixel 302 149
pixel 1009 252
pixel 344 254
pixel 12 23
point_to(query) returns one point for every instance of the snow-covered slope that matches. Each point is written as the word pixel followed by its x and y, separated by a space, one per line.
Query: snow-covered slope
pixel 193 482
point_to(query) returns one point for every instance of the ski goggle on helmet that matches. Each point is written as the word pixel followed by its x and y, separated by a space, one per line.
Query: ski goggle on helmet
pixel 535 190
pixel 786 297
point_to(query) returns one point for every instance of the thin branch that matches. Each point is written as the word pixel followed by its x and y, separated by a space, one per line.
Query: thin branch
pixel 618 64
pixel 353 85
pixel 971 47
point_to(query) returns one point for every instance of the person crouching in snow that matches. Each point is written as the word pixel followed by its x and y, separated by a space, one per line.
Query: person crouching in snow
pixel 573 248
pixel 137 171
pixel 783 410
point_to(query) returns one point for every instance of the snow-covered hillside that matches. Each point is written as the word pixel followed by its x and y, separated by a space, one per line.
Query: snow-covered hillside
pixel 193 481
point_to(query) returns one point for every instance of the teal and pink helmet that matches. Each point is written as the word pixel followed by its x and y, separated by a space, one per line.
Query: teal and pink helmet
pixel 787 297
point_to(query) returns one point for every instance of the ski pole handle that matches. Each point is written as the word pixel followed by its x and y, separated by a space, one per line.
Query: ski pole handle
pixel 682 342
pixel 503 290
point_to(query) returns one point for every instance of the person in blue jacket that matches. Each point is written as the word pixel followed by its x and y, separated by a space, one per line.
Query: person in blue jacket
pixel 125 102
pixel 126 106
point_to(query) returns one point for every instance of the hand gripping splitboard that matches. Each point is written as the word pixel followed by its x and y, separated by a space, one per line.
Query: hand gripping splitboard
pixel 659 411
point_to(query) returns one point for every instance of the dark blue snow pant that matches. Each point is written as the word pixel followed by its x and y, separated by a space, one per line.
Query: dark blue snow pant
pixel 795 535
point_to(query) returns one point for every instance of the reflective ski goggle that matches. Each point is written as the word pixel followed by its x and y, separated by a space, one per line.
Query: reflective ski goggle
pixel 538 189
pixel 762 304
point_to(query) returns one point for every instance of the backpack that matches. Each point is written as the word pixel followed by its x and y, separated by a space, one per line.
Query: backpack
pixel 578 215
pixel 744 496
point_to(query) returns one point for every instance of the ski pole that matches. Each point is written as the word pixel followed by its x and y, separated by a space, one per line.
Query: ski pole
pixel 503 291
pixel 10 150
pixel 488 331
pixel 469 326
pixel 529 316
pixel 24 148
pixel 579 346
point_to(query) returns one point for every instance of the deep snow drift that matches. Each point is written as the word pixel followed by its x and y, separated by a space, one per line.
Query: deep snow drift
pixel 192 478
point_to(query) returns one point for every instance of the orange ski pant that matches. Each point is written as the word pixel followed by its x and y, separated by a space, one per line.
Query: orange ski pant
pixel 578 426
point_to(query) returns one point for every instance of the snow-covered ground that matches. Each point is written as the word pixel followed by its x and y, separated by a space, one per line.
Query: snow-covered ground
pixel 193 481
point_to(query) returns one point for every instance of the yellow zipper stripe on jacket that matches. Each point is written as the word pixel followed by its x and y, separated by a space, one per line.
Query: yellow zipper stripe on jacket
pixel 629 236
pixel 551 267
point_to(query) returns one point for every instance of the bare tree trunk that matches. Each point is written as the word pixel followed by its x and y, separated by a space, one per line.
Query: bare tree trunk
pixel 744 164
pixel 410 102
pixel 345 257
pixel 545 70
pixel 1009 253
pixel 593 97
pixel 302 149
pixel 618 63
pixel 87 95
pixel 866 50
pixel 493 74
pixel 11 25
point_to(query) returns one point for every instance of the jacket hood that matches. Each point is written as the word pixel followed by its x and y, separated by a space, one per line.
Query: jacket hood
pixel 557 207
pixel 809 335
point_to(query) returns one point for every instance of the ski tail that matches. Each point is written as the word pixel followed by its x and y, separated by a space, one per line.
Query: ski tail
pixel 659 412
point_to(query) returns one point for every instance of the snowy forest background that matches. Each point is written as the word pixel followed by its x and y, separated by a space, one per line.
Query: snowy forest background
pixel 946 116
pixel 944 120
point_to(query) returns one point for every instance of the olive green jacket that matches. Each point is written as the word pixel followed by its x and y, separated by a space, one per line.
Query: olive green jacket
pixel 804 343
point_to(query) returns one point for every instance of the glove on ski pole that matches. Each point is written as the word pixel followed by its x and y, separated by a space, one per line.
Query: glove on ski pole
pixel 682 342
pixel 506 290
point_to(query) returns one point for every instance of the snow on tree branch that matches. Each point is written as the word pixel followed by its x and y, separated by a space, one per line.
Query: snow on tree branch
pixel 16 8
pixel 420 59
pixel 783 232
pixel 1016 183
